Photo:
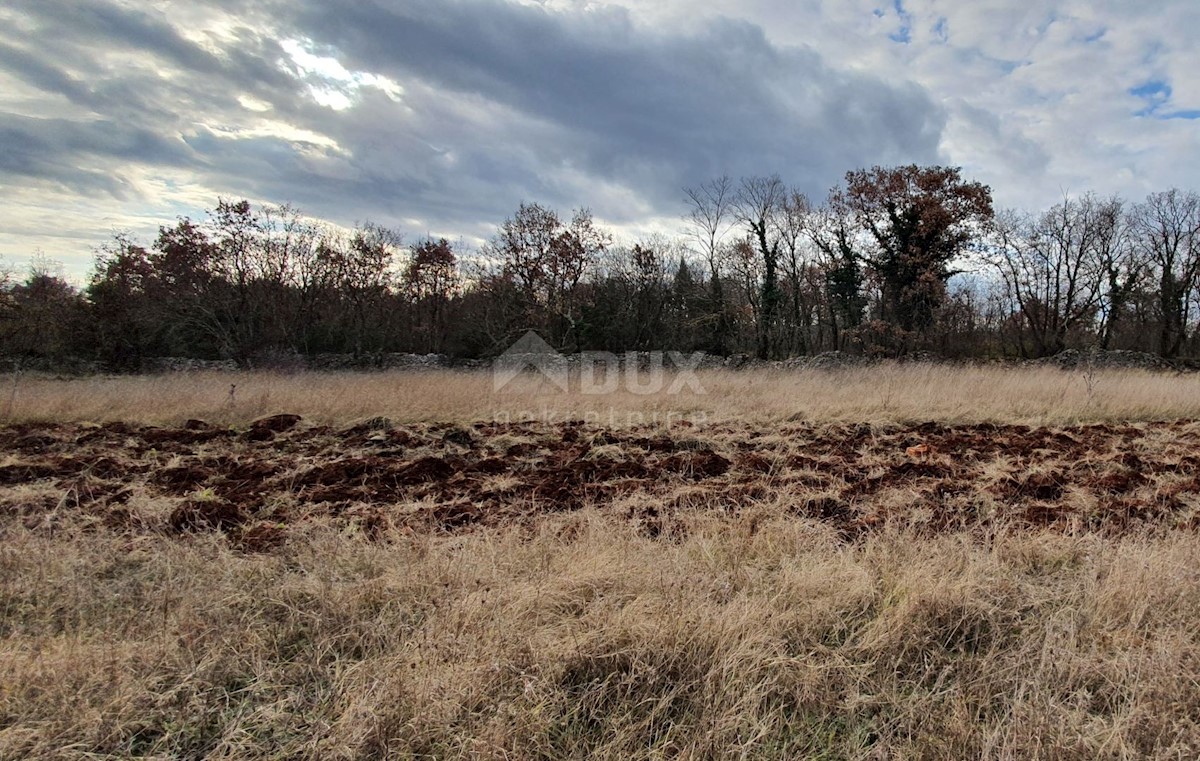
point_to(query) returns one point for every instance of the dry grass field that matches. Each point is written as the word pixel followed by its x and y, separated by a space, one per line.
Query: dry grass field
pixel 897 562
pixel 885 393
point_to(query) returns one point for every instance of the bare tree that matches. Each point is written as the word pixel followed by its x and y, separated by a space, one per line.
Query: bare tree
pixel 547 259
pixel 1123 267
pixel 430 281
pixel 794 219
pixel 364 270
pixel 758 204
pixel 711 218
pixel 832 231
pixel 1053 269
pixel 188 291
pixel 244 282
pixel 1167 226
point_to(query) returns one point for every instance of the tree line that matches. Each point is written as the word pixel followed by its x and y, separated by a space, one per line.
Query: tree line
pixel 894 260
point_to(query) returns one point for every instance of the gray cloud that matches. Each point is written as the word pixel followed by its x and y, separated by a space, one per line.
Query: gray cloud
pixel 114 26
pixel 500 103
pixel 656 109
pixel 41 73
pixel 81 155
pixel 1022 155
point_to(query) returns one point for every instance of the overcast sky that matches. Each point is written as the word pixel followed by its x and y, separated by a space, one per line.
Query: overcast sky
pixel 440 116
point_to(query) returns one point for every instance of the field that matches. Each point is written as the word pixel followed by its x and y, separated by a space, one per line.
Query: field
pixel 894 562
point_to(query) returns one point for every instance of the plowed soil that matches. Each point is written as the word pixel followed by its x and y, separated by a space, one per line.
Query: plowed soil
pixel 257 484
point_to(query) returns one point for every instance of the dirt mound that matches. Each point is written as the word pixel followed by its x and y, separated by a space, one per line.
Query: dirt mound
pixel 424 470
pixel 180 478
pixel 264 429
pixel 383 477
pixel 211 515
pixel 697 465
pixel 186 435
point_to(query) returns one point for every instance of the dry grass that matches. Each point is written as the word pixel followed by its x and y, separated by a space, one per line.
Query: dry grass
pixel 754 637
pixel 747 624
pixel 888 393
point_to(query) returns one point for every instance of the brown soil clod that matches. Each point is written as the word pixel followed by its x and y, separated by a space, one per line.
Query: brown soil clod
pixel 755 463
pixel 424 470
pixel 490 466
pixel 459 437
pixel 160 436
pixel 83 490
pixel 824 508
pixel 181 478
pixel 853 477
pixel 697 465
pixel 1046 487
pixel 260 537
pixel 109 467
pixel 201 515
pixel 1119 482
pixel 34 443
pixel 276 423
pixel 19 474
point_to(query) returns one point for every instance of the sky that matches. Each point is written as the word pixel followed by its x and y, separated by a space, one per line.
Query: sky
pixel 439 117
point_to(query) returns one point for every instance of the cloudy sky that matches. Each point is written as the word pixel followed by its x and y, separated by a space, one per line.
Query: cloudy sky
pixel 440 116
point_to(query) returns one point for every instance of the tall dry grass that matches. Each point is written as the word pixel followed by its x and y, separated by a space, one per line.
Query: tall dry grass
pixel 754 637
pixel 753 634
pixel 886 393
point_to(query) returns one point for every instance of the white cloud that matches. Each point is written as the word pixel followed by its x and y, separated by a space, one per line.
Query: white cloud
pixel 442 115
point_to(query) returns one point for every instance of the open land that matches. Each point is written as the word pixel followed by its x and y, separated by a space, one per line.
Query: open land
pixel 888 562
